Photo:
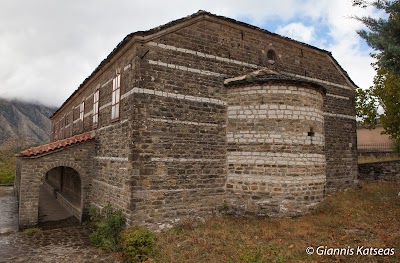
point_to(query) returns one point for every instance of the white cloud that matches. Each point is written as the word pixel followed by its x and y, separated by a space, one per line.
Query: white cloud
pixel 297 31
pixel 346 46
pixel 48 48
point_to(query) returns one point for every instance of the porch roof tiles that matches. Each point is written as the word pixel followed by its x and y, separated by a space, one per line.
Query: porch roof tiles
pixel 56 144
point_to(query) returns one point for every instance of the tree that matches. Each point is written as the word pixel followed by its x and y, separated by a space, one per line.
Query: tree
pixel 367 108
pixel 7 160
pixel 7 157
pixel 386 90
pixel 383 35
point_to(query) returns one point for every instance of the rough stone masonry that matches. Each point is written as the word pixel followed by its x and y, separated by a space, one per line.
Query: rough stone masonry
pixel 201 113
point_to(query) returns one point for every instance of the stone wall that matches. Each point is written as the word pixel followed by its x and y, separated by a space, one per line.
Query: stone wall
pixel 218 50
pixel 382 171
pixel 275 155
pixel 66 121
pixel 71 185
pixel 340 138
pixel 179 144
pixel 165 157
pixel 53 178
pixel 112 168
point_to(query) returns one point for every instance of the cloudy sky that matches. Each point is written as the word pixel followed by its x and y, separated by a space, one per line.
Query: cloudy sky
pixel 48 47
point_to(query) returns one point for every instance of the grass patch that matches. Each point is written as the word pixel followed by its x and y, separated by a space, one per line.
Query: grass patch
pixel 368 217
pixel 32 231
pixel 7 170
pixel 8 160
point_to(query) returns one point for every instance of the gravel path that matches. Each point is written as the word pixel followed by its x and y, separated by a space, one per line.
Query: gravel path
pixel 56 245
pixel 8 210
pixel 70 244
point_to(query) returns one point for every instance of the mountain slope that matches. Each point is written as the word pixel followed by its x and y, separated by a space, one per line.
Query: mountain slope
pixel 26 121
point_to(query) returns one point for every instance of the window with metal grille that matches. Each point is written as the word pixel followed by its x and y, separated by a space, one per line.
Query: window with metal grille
pixel 56 131
pixel 53 131
pixel 67 120
pixel 81 110
pixel 96 108
pixel 115 97
pixel 81 114
pixel 62 127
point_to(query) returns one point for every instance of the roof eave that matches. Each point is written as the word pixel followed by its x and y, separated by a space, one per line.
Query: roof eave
pixel 148 35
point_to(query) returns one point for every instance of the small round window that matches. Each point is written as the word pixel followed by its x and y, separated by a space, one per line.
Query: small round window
pixel 271 57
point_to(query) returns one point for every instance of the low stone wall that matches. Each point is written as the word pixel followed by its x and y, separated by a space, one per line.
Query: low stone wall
pixel 62 200
pixel 376 154
pixel 77 212
pixel 50 189
pixel 382 171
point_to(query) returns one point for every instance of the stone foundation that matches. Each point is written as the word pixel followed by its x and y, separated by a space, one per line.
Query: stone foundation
pixel 382 171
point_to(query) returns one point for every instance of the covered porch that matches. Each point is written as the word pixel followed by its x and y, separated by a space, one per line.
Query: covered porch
pixel 63 170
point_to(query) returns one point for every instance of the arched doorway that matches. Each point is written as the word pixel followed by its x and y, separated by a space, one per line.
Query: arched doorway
pixel 60 197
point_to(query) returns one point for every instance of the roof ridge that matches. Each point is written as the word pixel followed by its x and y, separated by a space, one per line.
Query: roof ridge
pixel 182 19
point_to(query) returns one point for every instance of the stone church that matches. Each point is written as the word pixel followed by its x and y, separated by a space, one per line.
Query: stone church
pixel 200 115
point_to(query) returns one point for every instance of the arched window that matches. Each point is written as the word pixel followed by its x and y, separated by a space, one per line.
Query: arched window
pixel 271 57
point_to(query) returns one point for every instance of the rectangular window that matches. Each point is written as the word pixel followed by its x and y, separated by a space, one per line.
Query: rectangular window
pixel 67 119
pixel 59 130
pixel 56 131
pixel 62 128
pixel 115 97
pixel 53 131
pixel 96 108
pixel 81 110
pixel 81 114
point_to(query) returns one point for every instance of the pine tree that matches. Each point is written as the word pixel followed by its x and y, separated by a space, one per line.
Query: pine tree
pixel 383 35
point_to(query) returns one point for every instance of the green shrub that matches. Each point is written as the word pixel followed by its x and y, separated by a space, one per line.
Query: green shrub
pixel 107 225
pixel 7 170
pixel 137 244
pixel 396 146
pixel 94 216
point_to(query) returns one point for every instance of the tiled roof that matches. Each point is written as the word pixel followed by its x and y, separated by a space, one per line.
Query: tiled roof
pixel 181 20
pixel 56 145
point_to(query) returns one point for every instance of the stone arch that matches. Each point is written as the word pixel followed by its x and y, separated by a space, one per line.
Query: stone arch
pixel 55 164
pixel 268 58
pixel 271 56
pixel 83 176
pixel 33 168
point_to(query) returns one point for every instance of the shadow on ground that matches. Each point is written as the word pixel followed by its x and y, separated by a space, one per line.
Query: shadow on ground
pixel 52 214
pixel 70 243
